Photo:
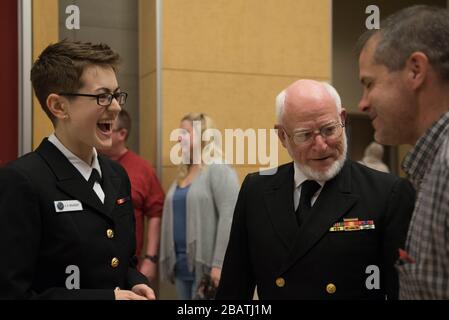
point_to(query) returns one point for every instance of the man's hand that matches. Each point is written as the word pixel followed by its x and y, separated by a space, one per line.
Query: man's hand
pixel 215 274
pixel 144 291
pixel 148 269
pixel 127 295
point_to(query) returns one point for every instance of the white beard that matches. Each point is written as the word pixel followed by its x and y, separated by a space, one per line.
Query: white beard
pixel 329 173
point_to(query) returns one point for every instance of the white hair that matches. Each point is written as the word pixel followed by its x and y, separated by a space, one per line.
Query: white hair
pixel 334 94
pixel 280 100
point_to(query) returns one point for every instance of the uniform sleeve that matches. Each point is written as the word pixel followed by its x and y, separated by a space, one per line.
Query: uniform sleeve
pixel 237 281
pixel 133 275
pixel 20 234
pixel 397 219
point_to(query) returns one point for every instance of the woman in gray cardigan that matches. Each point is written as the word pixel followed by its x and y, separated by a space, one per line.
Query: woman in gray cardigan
pixel 198 211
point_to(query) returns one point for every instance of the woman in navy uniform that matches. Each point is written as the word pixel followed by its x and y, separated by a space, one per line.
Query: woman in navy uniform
pixel 66 217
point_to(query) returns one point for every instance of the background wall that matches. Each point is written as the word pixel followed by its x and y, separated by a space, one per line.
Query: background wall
pixel 230 59
pixel 148 81
pixel 45 31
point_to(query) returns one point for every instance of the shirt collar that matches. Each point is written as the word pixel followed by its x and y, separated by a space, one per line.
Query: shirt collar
pixel 79 164
pixel 420 157
pixel 300 177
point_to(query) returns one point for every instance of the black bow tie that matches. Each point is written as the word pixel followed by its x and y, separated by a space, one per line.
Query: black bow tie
pixel 94 177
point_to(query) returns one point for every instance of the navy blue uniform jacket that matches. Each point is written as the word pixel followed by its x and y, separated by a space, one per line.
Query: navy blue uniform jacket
pixel 38 244
pixel 268 249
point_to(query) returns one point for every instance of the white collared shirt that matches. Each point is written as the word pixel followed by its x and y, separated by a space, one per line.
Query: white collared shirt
pixel 299 179
pixel 80 165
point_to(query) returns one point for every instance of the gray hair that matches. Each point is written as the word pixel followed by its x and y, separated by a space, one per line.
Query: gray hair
pixel 334 94
pixel 419 28
pixel 280 100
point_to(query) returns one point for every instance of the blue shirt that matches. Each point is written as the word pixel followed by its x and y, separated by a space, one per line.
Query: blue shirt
pixel 179 233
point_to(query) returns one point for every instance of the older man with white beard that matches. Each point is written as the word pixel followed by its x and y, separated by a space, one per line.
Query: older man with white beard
pixel 321 227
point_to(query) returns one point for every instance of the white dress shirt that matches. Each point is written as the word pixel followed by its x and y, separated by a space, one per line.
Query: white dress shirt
pixel 80 165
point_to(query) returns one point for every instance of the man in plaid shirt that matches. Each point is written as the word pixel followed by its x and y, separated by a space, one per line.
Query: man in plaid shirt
pixel 404 69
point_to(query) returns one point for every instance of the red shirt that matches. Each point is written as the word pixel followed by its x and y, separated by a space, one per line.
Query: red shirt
pixel 146 191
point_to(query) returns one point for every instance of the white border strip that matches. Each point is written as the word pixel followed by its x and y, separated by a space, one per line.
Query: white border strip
pixel 159 87
pixel 25 92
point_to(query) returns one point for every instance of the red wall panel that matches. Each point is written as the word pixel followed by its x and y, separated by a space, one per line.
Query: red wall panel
pixel 9 73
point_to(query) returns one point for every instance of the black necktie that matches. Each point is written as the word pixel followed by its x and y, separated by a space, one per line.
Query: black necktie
pixel 309 188
pixel 94 177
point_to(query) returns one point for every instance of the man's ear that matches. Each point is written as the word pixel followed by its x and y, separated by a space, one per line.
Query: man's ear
pixel 57 106
pixel 417 68
pixel 281 134
pixel 343 115
pixel 123 134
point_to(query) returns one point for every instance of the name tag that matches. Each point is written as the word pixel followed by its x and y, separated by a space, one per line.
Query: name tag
pixel 68 205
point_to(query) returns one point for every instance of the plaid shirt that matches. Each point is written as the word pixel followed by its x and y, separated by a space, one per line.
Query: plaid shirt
pixel 427 164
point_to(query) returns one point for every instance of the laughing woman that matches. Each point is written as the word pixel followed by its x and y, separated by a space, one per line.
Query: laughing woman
pixel 66 219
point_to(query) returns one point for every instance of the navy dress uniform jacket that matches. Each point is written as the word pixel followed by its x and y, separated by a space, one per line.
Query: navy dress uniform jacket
pixel 268 249
pixel 38 244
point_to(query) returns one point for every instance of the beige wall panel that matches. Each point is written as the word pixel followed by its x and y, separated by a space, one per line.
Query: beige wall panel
pixel 242 171
pixel 147 81
pixel 147 36
pixel 230 59
pixel 169 174
pixel 233 101
pixel 45 31
pixel 284 157
pixel 288 37
pixel 147 118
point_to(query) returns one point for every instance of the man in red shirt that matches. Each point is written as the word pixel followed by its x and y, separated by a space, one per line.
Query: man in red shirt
pixel 147 194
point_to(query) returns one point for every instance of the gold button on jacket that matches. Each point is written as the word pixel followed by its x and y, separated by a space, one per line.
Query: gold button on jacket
pixel 110 233
pixel 331 288
pixel 280 282
pixel 114 262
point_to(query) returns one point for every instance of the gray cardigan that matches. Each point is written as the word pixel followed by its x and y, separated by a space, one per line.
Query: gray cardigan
pixel 210 206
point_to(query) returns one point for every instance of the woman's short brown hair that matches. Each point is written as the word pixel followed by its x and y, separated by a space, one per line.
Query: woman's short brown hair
pixel 60 66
